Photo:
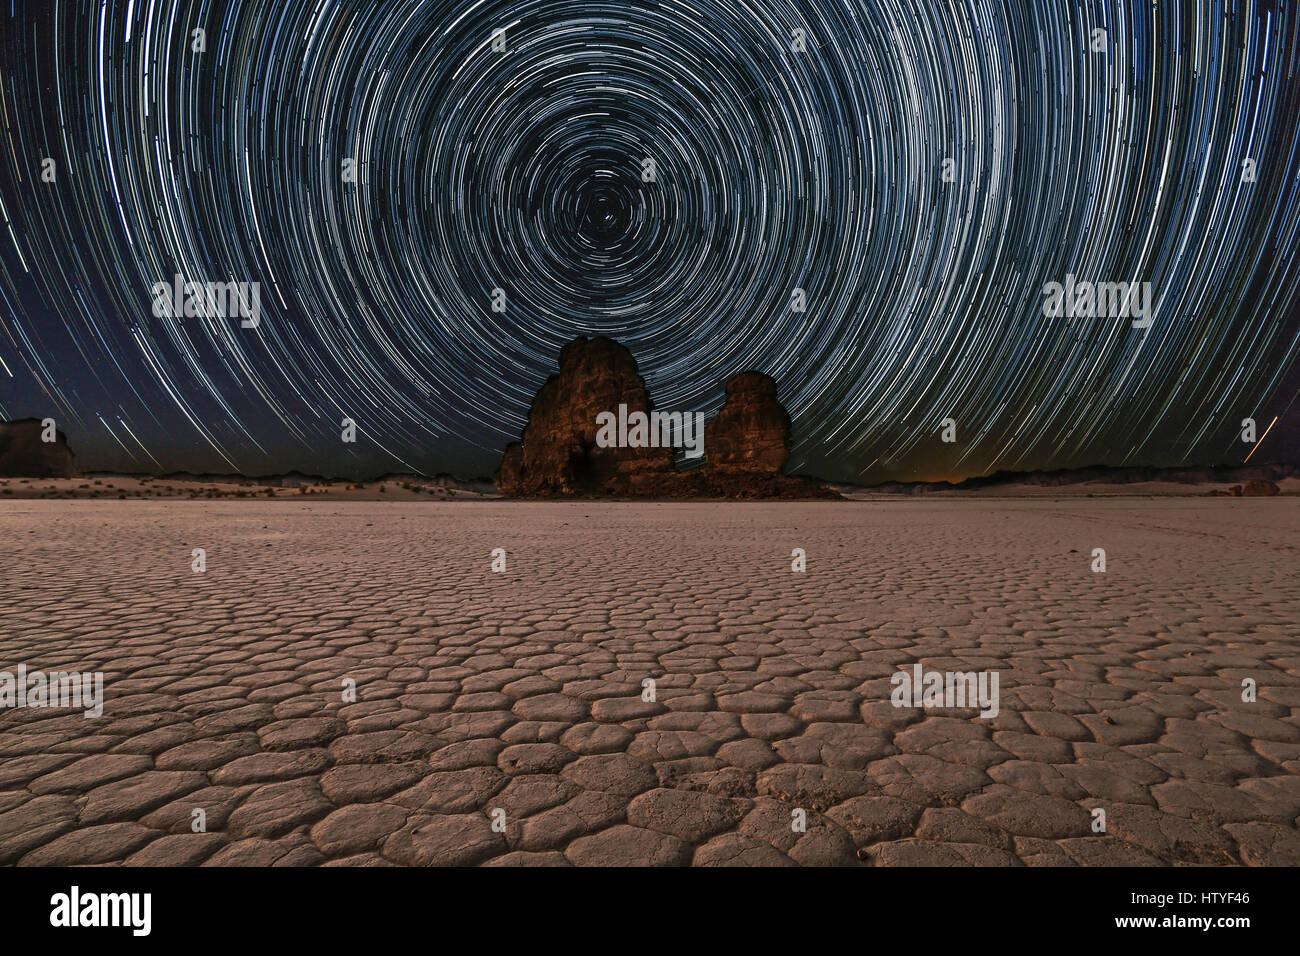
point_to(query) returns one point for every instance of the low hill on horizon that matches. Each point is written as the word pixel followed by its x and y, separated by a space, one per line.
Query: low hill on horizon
pixel 1197 480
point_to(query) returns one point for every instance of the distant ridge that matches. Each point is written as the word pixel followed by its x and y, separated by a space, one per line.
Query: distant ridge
pixel 1101 474
pixel 293 479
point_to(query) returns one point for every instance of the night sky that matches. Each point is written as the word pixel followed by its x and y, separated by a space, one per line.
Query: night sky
pixel 795 146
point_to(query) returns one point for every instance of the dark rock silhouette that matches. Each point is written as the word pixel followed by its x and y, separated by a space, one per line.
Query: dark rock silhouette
pixel 745 446
pixel 24 455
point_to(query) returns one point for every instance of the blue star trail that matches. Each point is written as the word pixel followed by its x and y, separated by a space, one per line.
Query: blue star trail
pixel 675 175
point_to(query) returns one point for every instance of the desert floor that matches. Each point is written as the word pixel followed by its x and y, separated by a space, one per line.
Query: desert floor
pixel 479 692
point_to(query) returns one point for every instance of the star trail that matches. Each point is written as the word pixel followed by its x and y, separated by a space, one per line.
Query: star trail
pixel 862 198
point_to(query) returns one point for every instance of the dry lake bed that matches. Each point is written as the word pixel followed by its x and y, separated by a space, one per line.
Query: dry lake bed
pixel 352 683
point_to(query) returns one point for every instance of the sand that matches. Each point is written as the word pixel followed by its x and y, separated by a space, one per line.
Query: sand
pixel 500 718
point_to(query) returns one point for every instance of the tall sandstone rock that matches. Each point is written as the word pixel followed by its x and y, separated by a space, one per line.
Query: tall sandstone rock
pixel 745 446
pixel 751 434
pixel 24 455
pixel 558 454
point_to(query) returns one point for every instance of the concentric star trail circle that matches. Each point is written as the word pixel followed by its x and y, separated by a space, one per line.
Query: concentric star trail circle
pixel 915 172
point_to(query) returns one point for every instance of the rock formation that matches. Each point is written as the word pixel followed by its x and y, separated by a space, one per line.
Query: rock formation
pixel 745 446
pixel 24 455
pixel 558 454
pixel 1259 488
pixel 1254 488
pixel 751 434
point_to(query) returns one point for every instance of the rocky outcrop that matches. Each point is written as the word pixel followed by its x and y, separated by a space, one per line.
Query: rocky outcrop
pixel 23 453
pixel 558 454
pixel 1258 488
pixel 751 434
pixel 745 446
pixel 1254 488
